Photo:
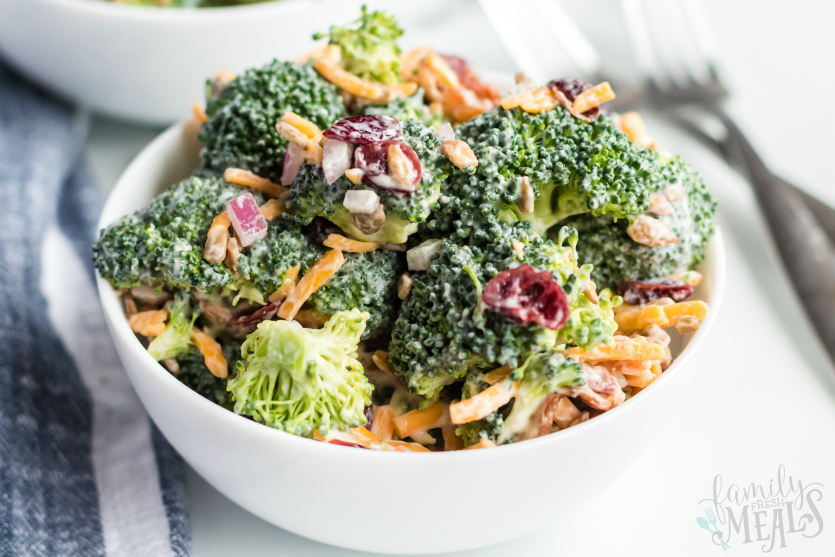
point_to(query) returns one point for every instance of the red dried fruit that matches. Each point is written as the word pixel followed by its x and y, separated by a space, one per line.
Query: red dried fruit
pixel 372 159
pixel 527 296
pixel 364 129
pixel 251 318
pixel 369 416
pixel 456 63
pixel 572 87
pixel 638 292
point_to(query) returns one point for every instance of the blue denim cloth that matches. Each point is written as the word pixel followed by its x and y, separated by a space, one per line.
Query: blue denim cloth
pixel 50 497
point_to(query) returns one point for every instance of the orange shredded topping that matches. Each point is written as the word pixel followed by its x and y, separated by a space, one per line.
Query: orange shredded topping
pixel 593 98
pixel 383 424
pixel 272 209
pixel 304 125
pixel 417 419
pixel 637 318
pixel 363 436
pixel 212 355
pixel 499 374
pixel 533 101
pixel 404 447
pixel 248 179
pixel 381 360
pixel 337 241
pixel 483 444
pixel 199 113
pixel 623 348
pixel 452 442
pixel 441 69
pixel 149 323
pixel 331 71
pixel 315 277
pixel 287 286
pixel 483 404
pixel 221 220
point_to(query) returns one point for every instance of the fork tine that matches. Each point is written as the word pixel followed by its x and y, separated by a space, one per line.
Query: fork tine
pixel 574 44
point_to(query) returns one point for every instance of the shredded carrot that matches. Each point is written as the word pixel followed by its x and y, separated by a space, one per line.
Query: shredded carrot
pixel 381 359
pixel 499 374
pixel 452 442
pixel 623 348
pixel 331 71
pixel 442 70
pixel 199 113
pixel 593 98
pixel 332 51
pixel 212 355
pixel 483 444
pixel 383 424
pixel 337 241
pixel 404 447
pixel 149 323
pixel 533 101
pixel 304 125
pixel 315 277
pixel 273 208
pixel 410 60
pixel 403 89
pixel 417 419
pixel 287 286
pixel 250 180
pixel 363 436
pixel 483 404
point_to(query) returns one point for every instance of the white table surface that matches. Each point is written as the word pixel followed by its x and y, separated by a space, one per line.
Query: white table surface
pixel 765 395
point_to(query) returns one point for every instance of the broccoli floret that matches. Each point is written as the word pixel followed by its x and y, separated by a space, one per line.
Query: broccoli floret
pixel 486 428
pixel 310 196
pixel 241 130
pixel 369 50
pixel 442 334
pixel 617 257
pixel 573 167
pixel 176 337
pixel 408 108
pixel 194 374
pixel 542 375
pixel 163 244
pixel 303 380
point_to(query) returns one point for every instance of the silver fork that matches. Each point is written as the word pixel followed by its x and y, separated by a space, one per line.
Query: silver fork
pixel 676 51
pixel 542 40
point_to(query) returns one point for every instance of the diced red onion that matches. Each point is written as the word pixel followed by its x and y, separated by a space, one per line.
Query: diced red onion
pixel 336 159
pixel 365 129
pixel 361 201
pixel 293 161
pixel 247 220
pixel 446 132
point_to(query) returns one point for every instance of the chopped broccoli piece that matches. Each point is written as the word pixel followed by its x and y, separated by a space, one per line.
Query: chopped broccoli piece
pixel 241 130
pixel 196 376
pixel 542 375
pixel 176 337
pixel 303 380
pixel 442 334
pixel 408 108
pixel 617 257
pixel 486 428
pixel 369 51
pixel 163 244
pixel 573 167
pixel 310 196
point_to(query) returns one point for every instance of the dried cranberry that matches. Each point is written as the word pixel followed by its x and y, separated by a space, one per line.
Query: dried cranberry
pixel 456 63
pixel 372 159
pixel 369 416
pixel 345 443
pixel 364 129
pixel 637 292
pixel 572 88
pixel 250 318
pixel 528 296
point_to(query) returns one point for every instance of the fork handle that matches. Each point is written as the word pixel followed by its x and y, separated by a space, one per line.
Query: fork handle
pixel 807 252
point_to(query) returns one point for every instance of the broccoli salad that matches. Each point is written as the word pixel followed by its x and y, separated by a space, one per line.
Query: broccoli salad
pixel 382 251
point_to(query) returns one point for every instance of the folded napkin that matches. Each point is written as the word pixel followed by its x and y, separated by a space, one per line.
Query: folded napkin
pixel 83 472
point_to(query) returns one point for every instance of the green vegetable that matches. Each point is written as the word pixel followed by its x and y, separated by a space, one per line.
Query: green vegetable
pixel 196 376
pixel 241 130
pixel 441 335
pixel 369 50
pixel 303 380
pixel 164 242
pixel 617 257
pixel 573 167
pixel 310 196
pixel 176 337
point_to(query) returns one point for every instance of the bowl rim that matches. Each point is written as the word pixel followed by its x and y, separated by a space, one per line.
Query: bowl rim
pixel 118 10
pixel 114 313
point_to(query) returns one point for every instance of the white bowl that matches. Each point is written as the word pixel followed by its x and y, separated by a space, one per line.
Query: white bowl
pixel 149 64
pixel 378 501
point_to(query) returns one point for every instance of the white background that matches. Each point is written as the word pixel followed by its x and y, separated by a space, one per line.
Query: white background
pixel 762 394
